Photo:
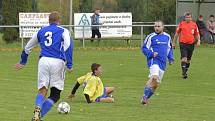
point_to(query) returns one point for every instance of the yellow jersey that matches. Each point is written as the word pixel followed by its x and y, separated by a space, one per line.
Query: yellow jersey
pixel 94 86
pixel 83 79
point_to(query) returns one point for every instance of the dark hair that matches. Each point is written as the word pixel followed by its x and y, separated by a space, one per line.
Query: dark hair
pixel 187 14
pixel 54 17
pixel 97 9
pixel 212 16
pixel 200 16
pixel 94 67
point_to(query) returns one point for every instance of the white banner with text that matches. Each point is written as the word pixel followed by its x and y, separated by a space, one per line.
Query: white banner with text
pixel 110 27
pixel 33 22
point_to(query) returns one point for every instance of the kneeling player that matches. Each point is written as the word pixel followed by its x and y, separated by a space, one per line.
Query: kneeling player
pixel 94 91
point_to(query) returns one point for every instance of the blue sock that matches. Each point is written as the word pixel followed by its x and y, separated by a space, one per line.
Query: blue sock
pixel 39 100
pixel 148 92
pixel 47 105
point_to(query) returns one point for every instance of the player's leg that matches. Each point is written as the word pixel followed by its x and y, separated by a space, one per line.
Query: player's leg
pixel 41 96
pixel 152 83
pixel 43 82
pixel 184 67
pixel 109 90
pixel 57 74
pixel 107 100
pixel 149 89
pixel 39 102
pixel 50 101
pixel 184 53
pixel 189 56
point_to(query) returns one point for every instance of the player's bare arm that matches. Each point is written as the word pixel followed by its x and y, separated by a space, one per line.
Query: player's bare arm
pixel 198 40
pixel 174 40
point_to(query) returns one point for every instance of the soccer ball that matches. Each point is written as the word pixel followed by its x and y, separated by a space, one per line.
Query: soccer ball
pixel 63 108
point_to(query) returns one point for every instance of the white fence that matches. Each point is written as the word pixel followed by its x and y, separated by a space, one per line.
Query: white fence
pixel 84 38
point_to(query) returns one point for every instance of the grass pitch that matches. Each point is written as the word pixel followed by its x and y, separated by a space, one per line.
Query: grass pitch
pixel 175 100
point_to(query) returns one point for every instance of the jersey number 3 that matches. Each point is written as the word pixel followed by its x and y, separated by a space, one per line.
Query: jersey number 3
pixel 48 41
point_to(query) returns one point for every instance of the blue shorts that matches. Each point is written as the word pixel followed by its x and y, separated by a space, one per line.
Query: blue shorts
pixel 104 95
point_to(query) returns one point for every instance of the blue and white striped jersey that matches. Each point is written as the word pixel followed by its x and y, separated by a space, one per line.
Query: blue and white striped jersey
pixel 54 41
pixel 160 43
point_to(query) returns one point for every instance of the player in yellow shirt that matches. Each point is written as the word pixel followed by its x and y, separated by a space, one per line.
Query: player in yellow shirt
pixel 94 91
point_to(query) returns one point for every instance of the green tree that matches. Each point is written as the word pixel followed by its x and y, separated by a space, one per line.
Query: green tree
pixel 76 6
pixel 62 6
pixel 10 10
pixel 24 6
pixel 149 11
pixel 164 10
pixel 9 13
pixel 136 7
pixel 86 6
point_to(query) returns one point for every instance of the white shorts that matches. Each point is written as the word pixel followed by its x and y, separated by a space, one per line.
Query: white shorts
pixel 156 71
pixel 51 73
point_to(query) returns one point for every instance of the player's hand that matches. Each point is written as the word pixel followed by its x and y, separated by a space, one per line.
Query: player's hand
pixel 71 97
pixel 171 62
pixel 69 70
pixel 198 43
pixel 18 66
pixel 155 54
pixel 173 45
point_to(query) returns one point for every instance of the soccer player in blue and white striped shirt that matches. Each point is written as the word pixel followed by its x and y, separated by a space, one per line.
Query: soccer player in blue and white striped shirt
pixel 157 48
pixel 56 52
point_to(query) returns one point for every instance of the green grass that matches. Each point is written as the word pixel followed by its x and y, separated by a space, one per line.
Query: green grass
pixel 175 100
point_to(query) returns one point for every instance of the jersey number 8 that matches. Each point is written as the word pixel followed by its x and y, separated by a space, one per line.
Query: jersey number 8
pixel 48 36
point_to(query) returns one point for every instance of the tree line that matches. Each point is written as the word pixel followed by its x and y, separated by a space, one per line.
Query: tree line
pixel 142 11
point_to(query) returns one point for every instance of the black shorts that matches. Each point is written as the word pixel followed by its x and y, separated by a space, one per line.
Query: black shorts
pixel 186 50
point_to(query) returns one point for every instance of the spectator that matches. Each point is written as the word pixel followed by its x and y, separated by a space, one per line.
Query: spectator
pixel 202 28
pixel 95 21
pixel 211 26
